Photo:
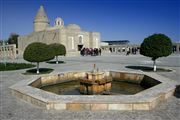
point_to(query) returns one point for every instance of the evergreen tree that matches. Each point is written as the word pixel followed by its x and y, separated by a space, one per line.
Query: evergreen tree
pixel 155 46
pixel 13 39
pixel 57 49
pixel 37 52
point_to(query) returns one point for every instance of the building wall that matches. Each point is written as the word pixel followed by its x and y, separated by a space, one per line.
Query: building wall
pixel 61 35
pixel 67 35
pixel 123 48
pixel 40 26
pixel 47 37
pixel 176 47
pixel 94 40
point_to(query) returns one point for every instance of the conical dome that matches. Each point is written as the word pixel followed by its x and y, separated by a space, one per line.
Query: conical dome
pixel 41 16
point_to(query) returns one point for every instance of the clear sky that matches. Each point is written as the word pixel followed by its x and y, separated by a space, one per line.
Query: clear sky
pixel 131 20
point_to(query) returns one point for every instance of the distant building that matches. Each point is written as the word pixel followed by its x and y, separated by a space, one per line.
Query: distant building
pixel 71 36
pixel 117 42
pixel 176 47
pixel 118 46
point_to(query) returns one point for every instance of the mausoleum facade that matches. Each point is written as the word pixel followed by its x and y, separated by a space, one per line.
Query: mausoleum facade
pixel 71 36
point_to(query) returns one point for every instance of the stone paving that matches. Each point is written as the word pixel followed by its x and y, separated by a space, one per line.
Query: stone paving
pixel 13 108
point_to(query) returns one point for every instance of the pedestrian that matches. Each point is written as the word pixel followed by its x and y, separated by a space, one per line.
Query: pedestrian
pixel 99 51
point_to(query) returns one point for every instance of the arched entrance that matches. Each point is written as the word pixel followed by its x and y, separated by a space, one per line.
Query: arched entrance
pixel 80 47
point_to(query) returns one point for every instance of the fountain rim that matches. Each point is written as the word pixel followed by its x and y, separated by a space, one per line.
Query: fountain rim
pixel 149 97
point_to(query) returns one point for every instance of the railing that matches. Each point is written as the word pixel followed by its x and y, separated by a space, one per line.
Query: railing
pixel 8 51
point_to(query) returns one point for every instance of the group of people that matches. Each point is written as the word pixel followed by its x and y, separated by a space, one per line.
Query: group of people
pixel 90 51
pixel 132 51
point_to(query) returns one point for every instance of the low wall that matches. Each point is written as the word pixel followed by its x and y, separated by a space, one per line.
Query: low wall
pixel 8 51
pixel 145 100
pixel 59 78
pixel 144 80
pixel 128 77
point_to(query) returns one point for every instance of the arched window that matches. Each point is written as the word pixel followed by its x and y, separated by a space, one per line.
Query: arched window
pixel 59 22
pixel 81 39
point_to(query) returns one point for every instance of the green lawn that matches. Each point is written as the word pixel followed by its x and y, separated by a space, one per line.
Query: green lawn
pixel 15 66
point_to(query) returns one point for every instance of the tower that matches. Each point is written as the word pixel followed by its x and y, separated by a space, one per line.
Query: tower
pixel 41 21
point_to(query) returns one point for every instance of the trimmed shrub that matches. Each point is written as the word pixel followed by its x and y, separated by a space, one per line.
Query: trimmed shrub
pixel 155 46
pixel 37 52
pixel 57 49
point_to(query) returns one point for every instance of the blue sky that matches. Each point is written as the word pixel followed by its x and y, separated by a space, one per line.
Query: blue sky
pixel 131 20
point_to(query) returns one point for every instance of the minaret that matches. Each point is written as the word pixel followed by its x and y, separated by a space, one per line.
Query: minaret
pixel 41 21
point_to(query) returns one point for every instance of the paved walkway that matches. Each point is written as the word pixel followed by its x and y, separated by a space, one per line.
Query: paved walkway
pixel 13 108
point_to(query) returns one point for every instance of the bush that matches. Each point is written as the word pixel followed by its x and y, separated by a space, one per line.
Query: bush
pixel 155 46
pixel 37 52
pixel 57 49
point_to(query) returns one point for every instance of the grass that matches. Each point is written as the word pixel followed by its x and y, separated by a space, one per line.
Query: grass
pixel 54 62
pixel 41 71
pixel 14 66
pixel 148 69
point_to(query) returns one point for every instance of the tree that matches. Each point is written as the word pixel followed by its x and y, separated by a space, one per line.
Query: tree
pixel 13 39
pixel 37 52
pixel 3 42
pixel 57 49
pixel 155 46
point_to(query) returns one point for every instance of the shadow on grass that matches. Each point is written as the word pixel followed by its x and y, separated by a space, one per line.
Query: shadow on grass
pixel 148 69
pixel 54 62
pixel 41 71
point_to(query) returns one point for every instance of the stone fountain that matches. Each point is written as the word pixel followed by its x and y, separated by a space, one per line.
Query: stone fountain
pixel 95 82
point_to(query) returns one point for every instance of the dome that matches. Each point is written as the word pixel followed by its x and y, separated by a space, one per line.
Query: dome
pixel 59 22
pixel 74 27
pixel 58 19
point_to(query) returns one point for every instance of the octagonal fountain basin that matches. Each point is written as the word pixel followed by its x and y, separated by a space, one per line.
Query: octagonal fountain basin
pixel 105 90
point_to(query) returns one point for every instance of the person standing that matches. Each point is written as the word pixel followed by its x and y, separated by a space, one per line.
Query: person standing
pixel 99 51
